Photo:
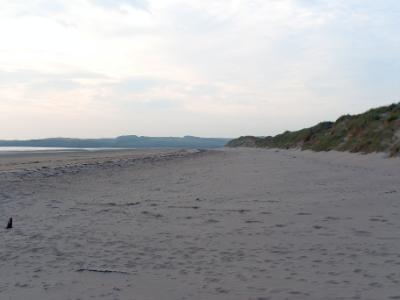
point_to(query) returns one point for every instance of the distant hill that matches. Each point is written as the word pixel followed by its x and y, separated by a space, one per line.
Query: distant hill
pixel 377 130
pixel 127 141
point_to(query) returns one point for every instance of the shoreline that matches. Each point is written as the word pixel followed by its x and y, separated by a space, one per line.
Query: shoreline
pixel 53 163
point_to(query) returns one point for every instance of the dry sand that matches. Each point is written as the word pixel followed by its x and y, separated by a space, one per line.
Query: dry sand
pixel 232 224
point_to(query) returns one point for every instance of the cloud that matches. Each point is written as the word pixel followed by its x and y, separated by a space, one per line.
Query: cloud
pixel 37 80
pixel 116 4
pixel 138 84
pixel 210 67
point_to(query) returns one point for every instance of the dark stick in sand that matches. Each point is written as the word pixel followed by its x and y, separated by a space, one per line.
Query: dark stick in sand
pixel 9 225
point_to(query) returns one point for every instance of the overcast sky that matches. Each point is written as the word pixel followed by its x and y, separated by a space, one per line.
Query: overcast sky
pixel 102 68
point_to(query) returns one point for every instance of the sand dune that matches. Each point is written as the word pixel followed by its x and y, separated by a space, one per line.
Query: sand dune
pixel 232 224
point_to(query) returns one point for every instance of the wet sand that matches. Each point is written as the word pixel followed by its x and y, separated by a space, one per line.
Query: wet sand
pixel 232 224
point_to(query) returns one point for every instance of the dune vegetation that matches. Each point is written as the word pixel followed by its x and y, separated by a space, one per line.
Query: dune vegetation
pixel 377 130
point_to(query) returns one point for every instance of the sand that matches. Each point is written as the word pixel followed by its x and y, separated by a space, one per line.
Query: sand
pixel 232 224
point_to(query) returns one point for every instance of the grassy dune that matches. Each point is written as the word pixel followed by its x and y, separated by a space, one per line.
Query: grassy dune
pixel 377 130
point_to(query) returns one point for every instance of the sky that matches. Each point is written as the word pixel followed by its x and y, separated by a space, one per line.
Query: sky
pixel 210 68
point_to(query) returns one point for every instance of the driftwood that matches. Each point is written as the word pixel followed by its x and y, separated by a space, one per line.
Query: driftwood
pixel 102 271
pixel 9 225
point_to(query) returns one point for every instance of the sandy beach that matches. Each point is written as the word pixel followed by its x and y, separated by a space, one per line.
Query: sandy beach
pixel 237 224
